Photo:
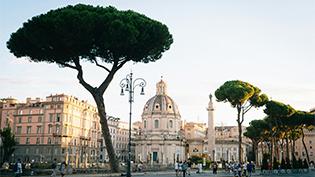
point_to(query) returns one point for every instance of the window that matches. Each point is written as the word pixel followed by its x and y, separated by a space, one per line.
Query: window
pixel 29 119
pixel 29 129
pixel 145 124
pixel 171 124
pixel 57 129
pixel 17 140
pixel 310 142
pixel 40 119
pixel 156 106
pixel 37 141
pixel 27 141
pixel 18 130
pixel 39 129
pixel 49 128
pixel 65 130
pixel 169 106
pixel 49 141
pixel 156 123
pixel 51 117
pixel 20 120
pixel 58 117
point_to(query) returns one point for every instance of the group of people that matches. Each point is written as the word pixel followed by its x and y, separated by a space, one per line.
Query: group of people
pixel 62 168
pixel 241 169
pixel 183 168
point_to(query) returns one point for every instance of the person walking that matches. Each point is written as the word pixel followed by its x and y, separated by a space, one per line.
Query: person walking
pixel 184 168
pixel 176 167
pixel 54 168
pixel 63 168
pixel 180 167
pixel 215 168
pixel 18 168
pixel 189 163
pixel 250 168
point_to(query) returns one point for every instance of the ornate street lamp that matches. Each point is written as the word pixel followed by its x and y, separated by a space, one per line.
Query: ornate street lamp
pixel 128 84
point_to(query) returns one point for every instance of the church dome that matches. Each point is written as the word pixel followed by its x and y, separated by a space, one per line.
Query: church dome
pixel 161 103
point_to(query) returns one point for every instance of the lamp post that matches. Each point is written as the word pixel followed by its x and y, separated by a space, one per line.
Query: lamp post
pixel 128 84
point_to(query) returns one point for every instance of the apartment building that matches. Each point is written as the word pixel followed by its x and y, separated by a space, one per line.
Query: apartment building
pixel 61 127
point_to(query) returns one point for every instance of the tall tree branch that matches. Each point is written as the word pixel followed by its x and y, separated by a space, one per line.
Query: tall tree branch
pixel 99 65
pixel 80 76
pixel 247 108
pixel 109 78
pixel 66 65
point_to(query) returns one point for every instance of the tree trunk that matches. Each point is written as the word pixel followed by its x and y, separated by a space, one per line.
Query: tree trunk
pixel 287 148
pixel 293 148
pixel 306 151
pixel 99 100
pixel 255 146
pixel 240 154
pixel 271 150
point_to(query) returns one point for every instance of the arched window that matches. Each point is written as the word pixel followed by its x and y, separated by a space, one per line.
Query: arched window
pixel 145 124
pixel 171 124
pixel 156 123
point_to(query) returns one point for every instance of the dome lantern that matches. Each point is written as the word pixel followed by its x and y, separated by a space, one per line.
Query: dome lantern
pixel 161 88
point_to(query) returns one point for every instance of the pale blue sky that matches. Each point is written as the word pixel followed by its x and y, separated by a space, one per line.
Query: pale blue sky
pixel 268 43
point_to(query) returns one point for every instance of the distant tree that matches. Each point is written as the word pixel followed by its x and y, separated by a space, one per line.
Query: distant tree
pixel 255 132
pixel 8 143
pixel 242 96
pixel 303 120
pixel 277 112
pixel 196 159
pixel 106 37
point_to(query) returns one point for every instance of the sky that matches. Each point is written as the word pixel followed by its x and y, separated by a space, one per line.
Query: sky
pixel 269 44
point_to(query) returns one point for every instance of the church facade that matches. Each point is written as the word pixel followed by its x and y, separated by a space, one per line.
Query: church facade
pixel 161 139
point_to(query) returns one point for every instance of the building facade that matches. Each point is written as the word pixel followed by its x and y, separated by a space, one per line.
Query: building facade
pixel 218 143
pixel 60 127
pixel 196 138
pixel 227 143
pixel 160 140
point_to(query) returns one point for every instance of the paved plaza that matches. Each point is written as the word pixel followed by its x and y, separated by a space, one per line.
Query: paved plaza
pixel 193 174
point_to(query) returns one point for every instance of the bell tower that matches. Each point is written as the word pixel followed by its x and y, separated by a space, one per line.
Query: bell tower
pixel 211 131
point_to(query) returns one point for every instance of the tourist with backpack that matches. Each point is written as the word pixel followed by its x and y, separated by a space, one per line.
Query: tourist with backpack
pixel 17 168
pixel 184 168
pixel 63 168
pixel 54 168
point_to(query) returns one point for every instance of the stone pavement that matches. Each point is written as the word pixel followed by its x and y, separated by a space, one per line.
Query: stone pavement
pixel 193 174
